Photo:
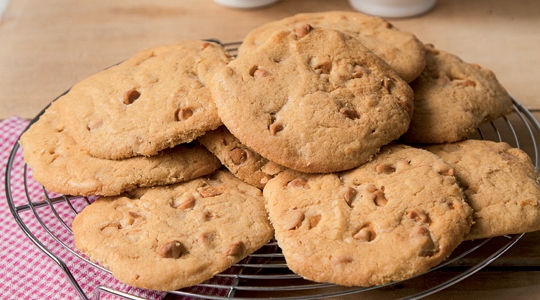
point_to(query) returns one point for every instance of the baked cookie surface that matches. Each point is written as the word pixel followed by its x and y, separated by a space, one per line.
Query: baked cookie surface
pixel 240 160
pixel 170 237
pixel 400 49
pixel 61 166
pixel 314 100
pixel 390 219
pixel 155 100
pixel 500 184
pixel 452 98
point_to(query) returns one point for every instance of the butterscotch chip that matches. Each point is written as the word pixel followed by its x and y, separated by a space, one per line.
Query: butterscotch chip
pixel 385 168
pixel 365 234
pixel 184 113
pixel 500 184
pixel 302 30
pixel 452 98
pixel 311 113
pixel 275 128
pixel 235 249
pixel 379 198
pixel 400 49
pixel 209 191
pixel 299 182
pixel 242 161
pixel 154 100
pixel 238 155
pixel 61 166
pixel 293 219
pixel 417 215
pixel 185 202
pixel 369 243
pixel 259 73
pixel 170 248
pixel 349 113
pixel 350 195
pixel 131 95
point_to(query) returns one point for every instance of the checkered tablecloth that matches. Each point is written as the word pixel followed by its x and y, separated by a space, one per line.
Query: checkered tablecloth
pixel 26 272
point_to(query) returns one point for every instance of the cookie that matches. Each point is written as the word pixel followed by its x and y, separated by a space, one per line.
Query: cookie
pixel 155 100
pixel 169 237
pixel 387 220
pixel 500 184
pixel 240 160
pixel 400 49
pixel 61 166
pixel 452 98
pixel 313 100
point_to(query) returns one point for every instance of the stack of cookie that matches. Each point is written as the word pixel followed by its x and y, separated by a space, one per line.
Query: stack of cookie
pixel 339 135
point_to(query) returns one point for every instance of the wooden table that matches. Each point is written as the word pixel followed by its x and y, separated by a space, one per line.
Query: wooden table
pixel 46 46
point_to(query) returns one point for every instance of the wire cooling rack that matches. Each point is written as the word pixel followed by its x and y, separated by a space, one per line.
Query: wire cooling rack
pixel 264 274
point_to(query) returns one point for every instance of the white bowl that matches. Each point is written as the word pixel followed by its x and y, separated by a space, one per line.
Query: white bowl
pixel 393 8
pixel 245 3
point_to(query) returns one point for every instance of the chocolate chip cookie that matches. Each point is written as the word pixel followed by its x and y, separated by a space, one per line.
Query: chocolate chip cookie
pixel 240 160
pixel 155 100
pixel 390 219
pixel 400 49
pixel 452 98
pixel 169 237
pixel 500 184
pixel 313 100
pixel 60 165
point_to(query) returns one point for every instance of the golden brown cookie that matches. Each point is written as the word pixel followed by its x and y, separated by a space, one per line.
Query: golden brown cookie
pixel 61 166
pixel 241 161
pixel 390 219
pixel 400 49
pixel 371 225
pixel 169 237
pixel 155 100
pixel 313 100
pixel 452 98
pixel 500 184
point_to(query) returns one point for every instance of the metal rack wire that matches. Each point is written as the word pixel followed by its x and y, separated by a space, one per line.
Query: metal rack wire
pixel 264 274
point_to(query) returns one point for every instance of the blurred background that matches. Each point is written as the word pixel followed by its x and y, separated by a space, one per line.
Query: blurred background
pixel 46 46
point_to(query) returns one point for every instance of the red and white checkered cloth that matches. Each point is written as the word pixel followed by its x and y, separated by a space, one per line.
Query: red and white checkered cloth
pixel 26 272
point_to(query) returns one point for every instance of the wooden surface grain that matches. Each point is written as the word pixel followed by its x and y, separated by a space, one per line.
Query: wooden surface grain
pixel 47 46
